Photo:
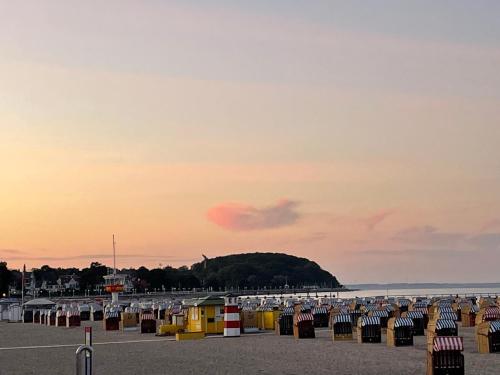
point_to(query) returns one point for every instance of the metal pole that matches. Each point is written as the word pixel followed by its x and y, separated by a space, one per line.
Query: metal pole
pixel 84 349
pixel 88 355
pixel 114 256
pixel 22 289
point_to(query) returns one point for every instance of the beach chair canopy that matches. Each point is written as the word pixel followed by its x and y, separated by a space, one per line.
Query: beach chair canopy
pixel 423 310
pixel 84 308
pixel 370 321
pixel 403 302
pixel 420 304
pixel 389 308
pixel 495 326
pixel 112 314
pixel 344 310
pixel 304 317
pixel 448 343
pixel 305 307
pixel 288 311
pixel 380 313
pixel 444 324
pixel 320 310
pixel 448 316
pixel 95 307
pixel 415 315
pixel 403 322
pixel 73 312
pixel 133 309
pixel 492 313
pixel 445 309
pixel 342 318
pixel 147 316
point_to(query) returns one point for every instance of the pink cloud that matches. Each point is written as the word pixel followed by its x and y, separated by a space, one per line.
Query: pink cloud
pixel 428 235
pixel 374 220
pixel 241 217
pixel 492 224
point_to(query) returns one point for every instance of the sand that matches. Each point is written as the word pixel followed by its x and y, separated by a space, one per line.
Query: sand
pixel 248 354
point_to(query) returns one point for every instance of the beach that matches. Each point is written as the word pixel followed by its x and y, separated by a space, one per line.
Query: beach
pixel 36 349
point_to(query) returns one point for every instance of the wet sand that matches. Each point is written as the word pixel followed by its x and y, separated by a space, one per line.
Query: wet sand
pixel 133 353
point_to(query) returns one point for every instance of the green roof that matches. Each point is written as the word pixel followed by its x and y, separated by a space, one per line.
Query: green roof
pixel 205 301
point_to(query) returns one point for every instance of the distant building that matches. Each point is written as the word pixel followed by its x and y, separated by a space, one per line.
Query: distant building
pixel 69 282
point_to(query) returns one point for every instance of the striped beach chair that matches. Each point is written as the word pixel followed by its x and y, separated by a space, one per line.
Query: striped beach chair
pixel 369 329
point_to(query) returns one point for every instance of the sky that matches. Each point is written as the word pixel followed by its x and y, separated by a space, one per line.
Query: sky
pixel 362 135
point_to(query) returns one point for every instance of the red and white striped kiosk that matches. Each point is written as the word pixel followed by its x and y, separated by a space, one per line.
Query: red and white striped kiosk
pixel 231 317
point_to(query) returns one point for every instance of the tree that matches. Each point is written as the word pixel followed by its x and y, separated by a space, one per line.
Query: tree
pixel 157 278
pixel 255 270
pixel 5 278
pixel 46 273
pixel 92 276
pixel 143 276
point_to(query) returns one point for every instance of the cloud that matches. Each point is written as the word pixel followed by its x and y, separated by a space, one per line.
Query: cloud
pixel 435 240
pixel 313 237
pixel 19 255
pixel 414 252
pixel 486 241
pixel 492 224
pixel 240 217
pixel 12 251
pixel 372 221
pixel 429 236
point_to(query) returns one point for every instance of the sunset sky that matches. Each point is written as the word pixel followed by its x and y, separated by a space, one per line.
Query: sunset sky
pixel 364 135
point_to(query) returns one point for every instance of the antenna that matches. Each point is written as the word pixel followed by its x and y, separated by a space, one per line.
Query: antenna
pixel 114 256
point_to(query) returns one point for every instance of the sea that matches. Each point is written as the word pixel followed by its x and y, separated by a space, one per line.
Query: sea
pixel 422 292
pixel 462 291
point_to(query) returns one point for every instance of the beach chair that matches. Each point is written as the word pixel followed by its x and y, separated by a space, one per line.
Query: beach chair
pixel 400 332
pixel 445 356
pixel 488 337
pixel 369 329
pixel 303 326
pixel 342 328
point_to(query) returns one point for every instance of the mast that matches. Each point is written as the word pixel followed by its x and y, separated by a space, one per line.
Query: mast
pixel 114 256
pixel 114 282
pixel 22 287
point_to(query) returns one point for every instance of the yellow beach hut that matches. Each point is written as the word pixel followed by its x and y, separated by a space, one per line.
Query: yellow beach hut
pixel 267 316
pixel 205 315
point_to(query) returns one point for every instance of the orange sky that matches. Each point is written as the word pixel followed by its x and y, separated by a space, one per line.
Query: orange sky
pixel 370 149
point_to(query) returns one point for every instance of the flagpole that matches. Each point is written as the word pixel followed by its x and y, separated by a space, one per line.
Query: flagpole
pixel 22 286
pixel 114 256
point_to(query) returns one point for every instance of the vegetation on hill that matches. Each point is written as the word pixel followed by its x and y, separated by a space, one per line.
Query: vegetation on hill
pixel 258 270
pixel 252 271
